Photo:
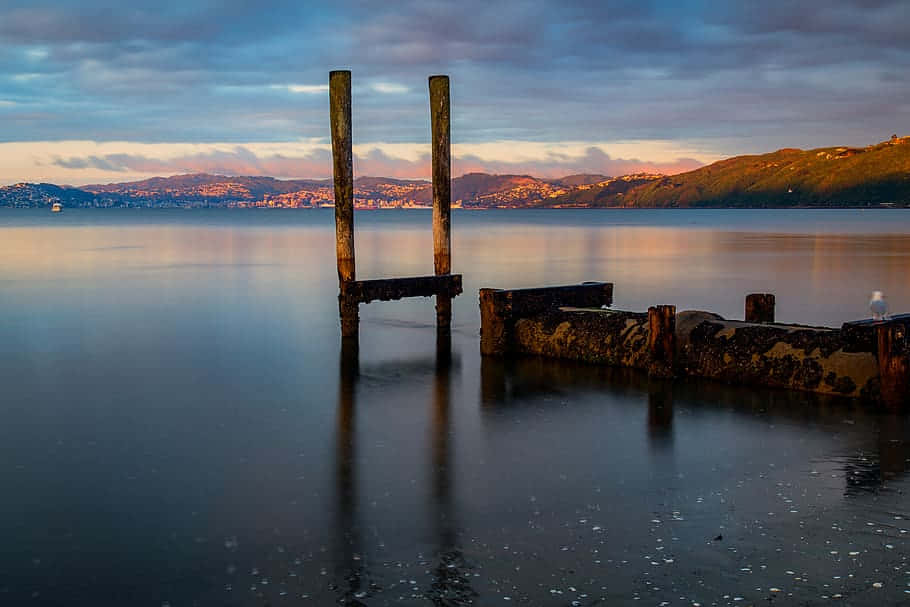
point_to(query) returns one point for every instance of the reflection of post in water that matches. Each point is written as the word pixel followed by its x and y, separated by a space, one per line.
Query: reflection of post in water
pixel 353 580
pixel 869 470
pixel 660 411
pixel 493 383
pixel 450 585
pixel 893 446
pixel 440 437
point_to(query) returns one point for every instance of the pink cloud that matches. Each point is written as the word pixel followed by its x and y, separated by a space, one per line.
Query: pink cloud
pixel 317 164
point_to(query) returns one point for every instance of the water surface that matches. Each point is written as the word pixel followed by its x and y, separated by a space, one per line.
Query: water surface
pixel 179 424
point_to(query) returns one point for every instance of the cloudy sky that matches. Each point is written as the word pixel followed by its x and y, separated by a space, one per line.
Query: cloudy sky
pixel 90 93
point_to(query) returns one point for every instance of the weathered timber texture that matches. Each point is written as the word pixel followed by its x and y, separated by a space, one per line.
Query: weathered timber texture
pixel 442 174
pixel 661 340
pixel 760 307
pixel 444 285
pixel 349 313
pixel 388 289
pixel 442 191
pixel 500 308
pixel 343 171
pixel 894 365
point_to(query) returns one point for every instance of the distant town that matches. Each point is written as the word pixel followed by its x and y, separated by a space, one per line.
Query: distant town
pixel 873 176
pixel 474 190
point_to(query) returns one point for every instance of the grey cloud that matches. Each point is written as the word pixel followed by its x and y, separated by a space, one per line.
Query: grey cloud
pixel 105 163
pixel 242 161
pixel 544 71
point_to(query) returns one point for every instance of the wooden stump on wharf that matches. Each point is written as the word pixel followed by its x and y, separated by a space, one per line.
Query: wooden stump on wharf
pixel 661 340
pixel 893 354
pixel 760 307
pixel 443 285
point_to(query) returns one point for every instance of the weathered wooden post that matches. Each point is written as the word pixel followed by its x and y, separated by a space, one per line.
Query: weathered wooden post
pixel 442 192
pixel 661 340
pixel 343 171
pixel 894 365
pixel 760 307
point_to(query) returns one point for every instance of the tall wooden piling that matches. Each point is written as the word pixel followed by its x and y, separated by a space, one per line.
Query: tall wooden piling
pixel 661 340
pixel 343 171
pixel 442 192
pixel 894 365
pixel 760 307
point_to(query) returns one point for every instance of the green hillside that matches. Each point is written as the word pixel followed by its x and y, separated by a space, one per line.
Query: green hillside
pixel 839 176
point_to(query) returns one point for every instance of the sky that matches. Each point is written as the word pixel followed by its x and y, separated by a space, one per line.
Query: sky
pixel 93 93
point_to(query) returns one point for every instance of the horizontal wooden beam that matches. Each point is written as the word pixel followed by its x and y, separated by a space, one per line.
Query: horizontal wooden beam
pixel 388 289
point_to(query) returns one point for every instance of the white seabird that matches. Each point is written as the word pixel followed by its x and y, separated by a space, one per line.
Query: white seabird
pixel 878 305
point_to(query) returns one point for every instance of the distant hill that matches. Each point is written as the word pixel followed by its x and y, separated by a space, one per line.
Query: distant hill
pixel 841 176
pixel 202 186
pixel 571 181
pixel 609 192
pixel 42 195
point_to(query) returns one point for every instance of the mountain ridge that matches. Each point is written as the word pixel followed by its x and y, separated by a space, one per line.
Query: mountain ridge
pixel 878 174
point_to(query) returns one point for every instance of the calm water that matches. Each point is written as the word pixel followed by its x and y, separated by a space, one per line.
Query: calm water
pixel 179 426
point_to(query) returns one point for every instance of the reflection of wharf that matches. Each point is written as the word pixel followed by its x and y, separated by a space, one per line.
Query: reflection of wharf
pixel 869 460
pixel 864 359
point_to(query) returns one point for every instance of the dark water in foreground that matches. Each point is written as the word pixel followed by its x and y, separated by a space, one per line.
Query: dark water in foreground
pixel 179 426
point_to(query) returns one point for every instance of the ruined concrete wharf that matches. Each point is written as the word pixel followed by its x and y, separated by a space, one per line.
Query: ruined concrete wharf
pixel 865 360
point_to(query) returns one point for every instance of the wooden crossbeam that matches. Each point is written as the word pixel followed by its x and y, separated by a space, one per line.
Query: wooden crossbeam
pixel 388 289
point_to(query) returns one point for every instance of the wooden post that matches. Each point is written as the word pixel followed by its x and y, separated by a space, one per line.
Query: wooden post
pixel 442 192
pixel 760 307
pixel 343 170
pixel 894 365
pixel 661 340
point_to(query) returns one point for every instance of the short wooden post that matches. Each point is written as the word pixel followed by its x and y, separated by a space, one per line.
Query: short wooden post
pixel 760 307
pixel 661 340
pixel 343 170
pixel 442 192
pixel 894 365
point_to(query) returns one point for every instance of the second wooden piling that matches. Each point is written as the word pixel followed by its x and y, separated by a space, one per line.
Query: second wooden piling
pixel 442 191
pixel 343 171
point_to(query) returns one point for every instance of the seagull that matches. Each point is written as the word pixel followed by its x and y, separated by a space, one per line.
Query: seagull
pixel 878 305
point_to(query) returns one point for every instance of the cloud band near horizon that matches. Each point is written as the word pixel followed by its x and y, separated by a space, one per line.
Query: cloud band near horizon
pixel 82 162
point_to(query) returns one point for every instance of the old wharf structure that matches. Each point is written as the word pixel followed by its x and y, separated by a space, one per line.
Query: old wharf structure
pixel 443 284
pixel 867 360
